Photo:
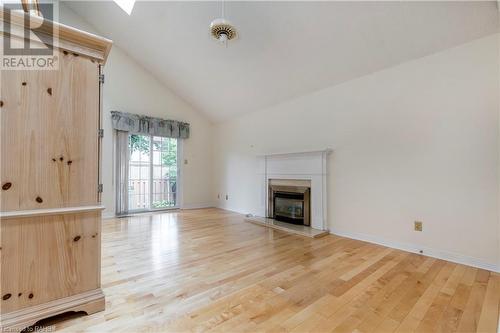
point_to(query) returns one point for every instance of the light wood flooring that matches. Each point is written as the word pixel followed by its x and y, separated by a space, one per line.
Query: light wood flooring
pixel 208 270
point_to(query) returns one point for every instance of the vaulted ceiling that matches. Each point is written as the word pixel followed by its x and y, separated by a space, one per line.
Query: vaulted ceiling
pixel 285 49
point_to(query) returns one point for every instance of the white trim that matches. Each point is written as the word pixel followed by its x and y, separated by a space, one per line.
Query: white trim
pixel 430 252
pixel 50 211
pixel 180 173
pixel 199 205
pixel 108 215
pixel 247 214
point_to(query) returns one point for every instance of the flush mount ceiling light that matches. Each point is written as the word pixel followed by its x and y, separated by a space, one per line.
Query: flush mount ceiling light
pixel 222 30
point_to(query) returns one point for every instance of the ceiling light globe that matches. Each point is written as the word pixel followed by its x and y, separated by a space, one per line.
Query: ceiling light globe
pixel 222 38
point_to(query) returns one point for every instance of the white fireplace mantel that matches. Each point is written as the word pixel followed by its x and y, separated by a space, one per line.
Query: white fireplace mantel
pixel 312 166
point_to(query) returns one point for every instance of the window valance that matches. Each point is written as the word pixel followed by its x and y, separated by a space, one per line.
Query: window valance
pixel 148 125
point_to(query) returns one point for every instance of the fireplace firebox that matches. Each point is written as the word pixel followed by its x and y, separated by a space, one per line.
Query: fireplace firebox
pixel 290 203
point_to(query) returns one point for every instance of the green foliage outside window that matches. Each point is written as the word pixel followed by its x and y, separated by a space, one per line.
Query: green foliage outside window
pixel 163 204
pixel 139 143
pixel 168 148
pixel 169 158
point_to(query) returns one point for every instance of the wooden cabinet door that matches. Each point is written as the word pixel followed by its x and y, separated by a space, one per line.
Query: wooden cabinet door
pixel 45 258
pixel 49 139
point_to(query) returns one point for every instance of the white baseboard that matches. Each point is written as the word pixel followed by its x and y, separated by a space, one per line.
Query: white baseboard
pixel 199 205
pixel 430 252
pixel 233 210
pixel 108 215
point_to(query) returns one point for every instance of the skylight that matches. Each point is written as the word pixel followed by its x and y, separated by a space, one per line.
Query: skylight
pixel 126 5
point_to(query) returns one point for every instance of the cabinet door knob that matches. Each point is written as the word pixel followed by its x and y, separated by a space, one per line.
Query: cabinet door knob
pixel 39 200
pixel 6 186
pixel 76 239
pixel 6 297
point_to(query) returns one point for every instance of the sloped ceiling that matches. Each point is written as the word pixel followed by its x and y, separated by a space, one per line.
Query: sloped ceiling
pixel 285 49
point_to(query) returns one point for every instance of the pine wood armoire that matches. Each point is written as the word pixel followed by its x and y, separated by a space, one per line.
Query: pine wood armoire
pixel 50 222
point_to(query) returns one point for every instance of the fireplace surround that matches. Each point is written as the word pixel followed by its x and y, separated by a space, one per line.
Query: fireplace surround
pixel 302 169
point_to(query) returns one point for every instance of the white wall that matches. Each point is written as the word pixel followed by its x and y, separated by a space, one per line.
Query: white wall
pixel 418 141
pixel 130 88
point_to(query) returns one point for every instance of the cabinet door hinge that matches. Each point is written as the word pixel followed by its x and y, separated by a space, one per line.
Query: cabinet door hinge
pixel 101 133
pixel 99 188
pixel 101 78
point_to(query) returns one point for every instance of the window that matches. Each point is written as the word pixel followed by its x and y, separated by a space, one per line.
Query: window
pixel 126 5
pixel 153 173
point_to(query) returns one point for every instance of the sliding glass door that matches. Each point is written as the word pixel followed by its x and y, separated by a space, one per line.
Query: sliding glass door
pixel 153 173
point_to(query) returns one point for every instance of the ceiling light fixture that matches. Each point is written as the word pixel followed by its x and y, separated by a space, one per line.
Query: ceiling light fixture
pixel 222 30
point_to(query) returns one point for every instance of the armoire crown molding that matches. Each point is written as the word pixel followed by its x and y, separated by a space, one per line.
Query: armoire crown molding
pixel 65 37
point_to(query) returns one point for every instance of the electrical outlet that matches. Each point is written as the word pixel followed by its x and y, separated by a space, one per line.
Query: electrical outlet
pixel 418 226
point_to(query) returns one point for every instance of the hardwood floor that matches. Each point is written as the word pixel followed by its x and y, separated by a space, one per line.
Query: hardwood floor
pixel 208 270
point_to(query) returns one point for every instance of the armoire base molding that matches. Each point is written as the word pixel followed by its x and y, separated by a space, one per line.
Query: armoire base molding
pixel 89 302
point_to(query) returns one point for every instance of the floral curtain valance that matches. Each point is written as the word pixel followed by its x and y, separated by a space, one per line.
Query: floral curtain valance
pixel 148 125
